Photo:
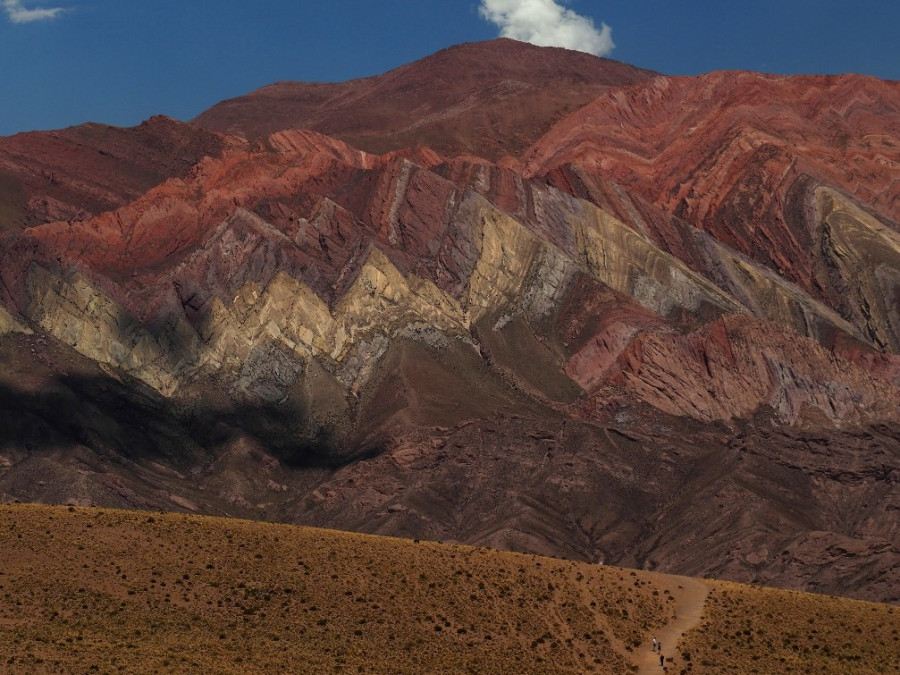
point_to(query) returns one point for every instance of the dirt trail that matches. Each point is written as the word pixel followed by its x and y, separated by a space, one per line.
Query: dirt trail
pixel 690 595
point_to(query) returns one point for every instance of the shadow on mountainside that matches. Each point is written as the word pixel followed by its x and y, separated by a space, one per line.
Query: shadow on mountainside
pixel 752 501
pixel 113 419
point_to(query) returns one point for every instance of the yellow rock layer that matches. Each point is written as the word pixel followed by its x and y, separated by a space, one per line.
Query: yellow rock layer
pixel 9 325
pixel 516 272
pixel 623 259
pixel 77 313
pixel 380 303
pixel 866 254
pixel 772 298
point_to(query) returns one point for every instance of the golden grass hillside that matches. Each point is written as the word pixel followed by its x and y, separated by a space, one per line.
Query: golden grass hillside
pixel 98 590
pixel 86 590
pixel 746 629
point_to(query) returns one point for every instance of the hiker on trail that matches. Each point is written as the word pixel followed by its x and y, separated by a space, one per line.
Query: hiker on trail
pixel 662 661
pixel 659 646
pixel 653 648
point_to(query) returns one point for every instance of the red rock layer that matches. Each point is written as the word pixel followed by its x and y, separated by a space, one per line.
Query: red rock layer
pixel 176 216
pixel 737 365
pixel 735 154
pixel 82 171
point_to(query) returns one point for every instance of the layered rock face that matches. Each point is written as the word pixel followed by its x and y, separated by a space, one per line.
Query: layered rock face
pixel 78 172
pixel 643 340
pixel 759 162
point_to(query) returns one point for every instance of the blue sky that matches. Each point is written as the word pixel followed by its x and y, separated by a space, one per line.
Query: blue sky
pixel 120 61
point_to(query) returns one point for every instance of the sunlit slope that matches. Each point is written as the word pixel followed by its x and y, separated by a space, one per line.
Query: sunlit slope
pixel 97 589
pixel 747 629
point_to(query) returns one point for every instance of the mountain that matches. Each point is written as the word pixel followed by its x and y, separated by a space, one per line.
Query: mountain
pixel 660 331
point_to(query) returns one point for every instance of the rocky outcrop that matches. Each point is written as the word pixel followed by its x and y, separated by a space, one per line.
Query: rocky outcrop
pixel 168 292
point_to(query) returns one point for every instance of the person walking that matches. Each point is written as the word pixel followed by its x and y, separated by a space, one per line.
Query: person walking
pixel 662 661
pixel 653 648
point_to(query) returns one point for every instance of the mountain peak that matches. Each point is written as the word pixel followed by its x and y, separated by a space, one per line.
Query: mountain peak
pixel 489 98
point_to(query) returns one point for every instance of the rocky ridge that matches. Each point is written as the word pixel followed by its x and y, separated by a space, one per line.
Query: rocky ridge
pixel 75 173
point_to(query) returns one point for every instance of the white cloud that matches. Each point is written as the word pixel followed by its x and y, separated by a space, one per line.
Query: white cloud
pixel 547 23
pixel 17 13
